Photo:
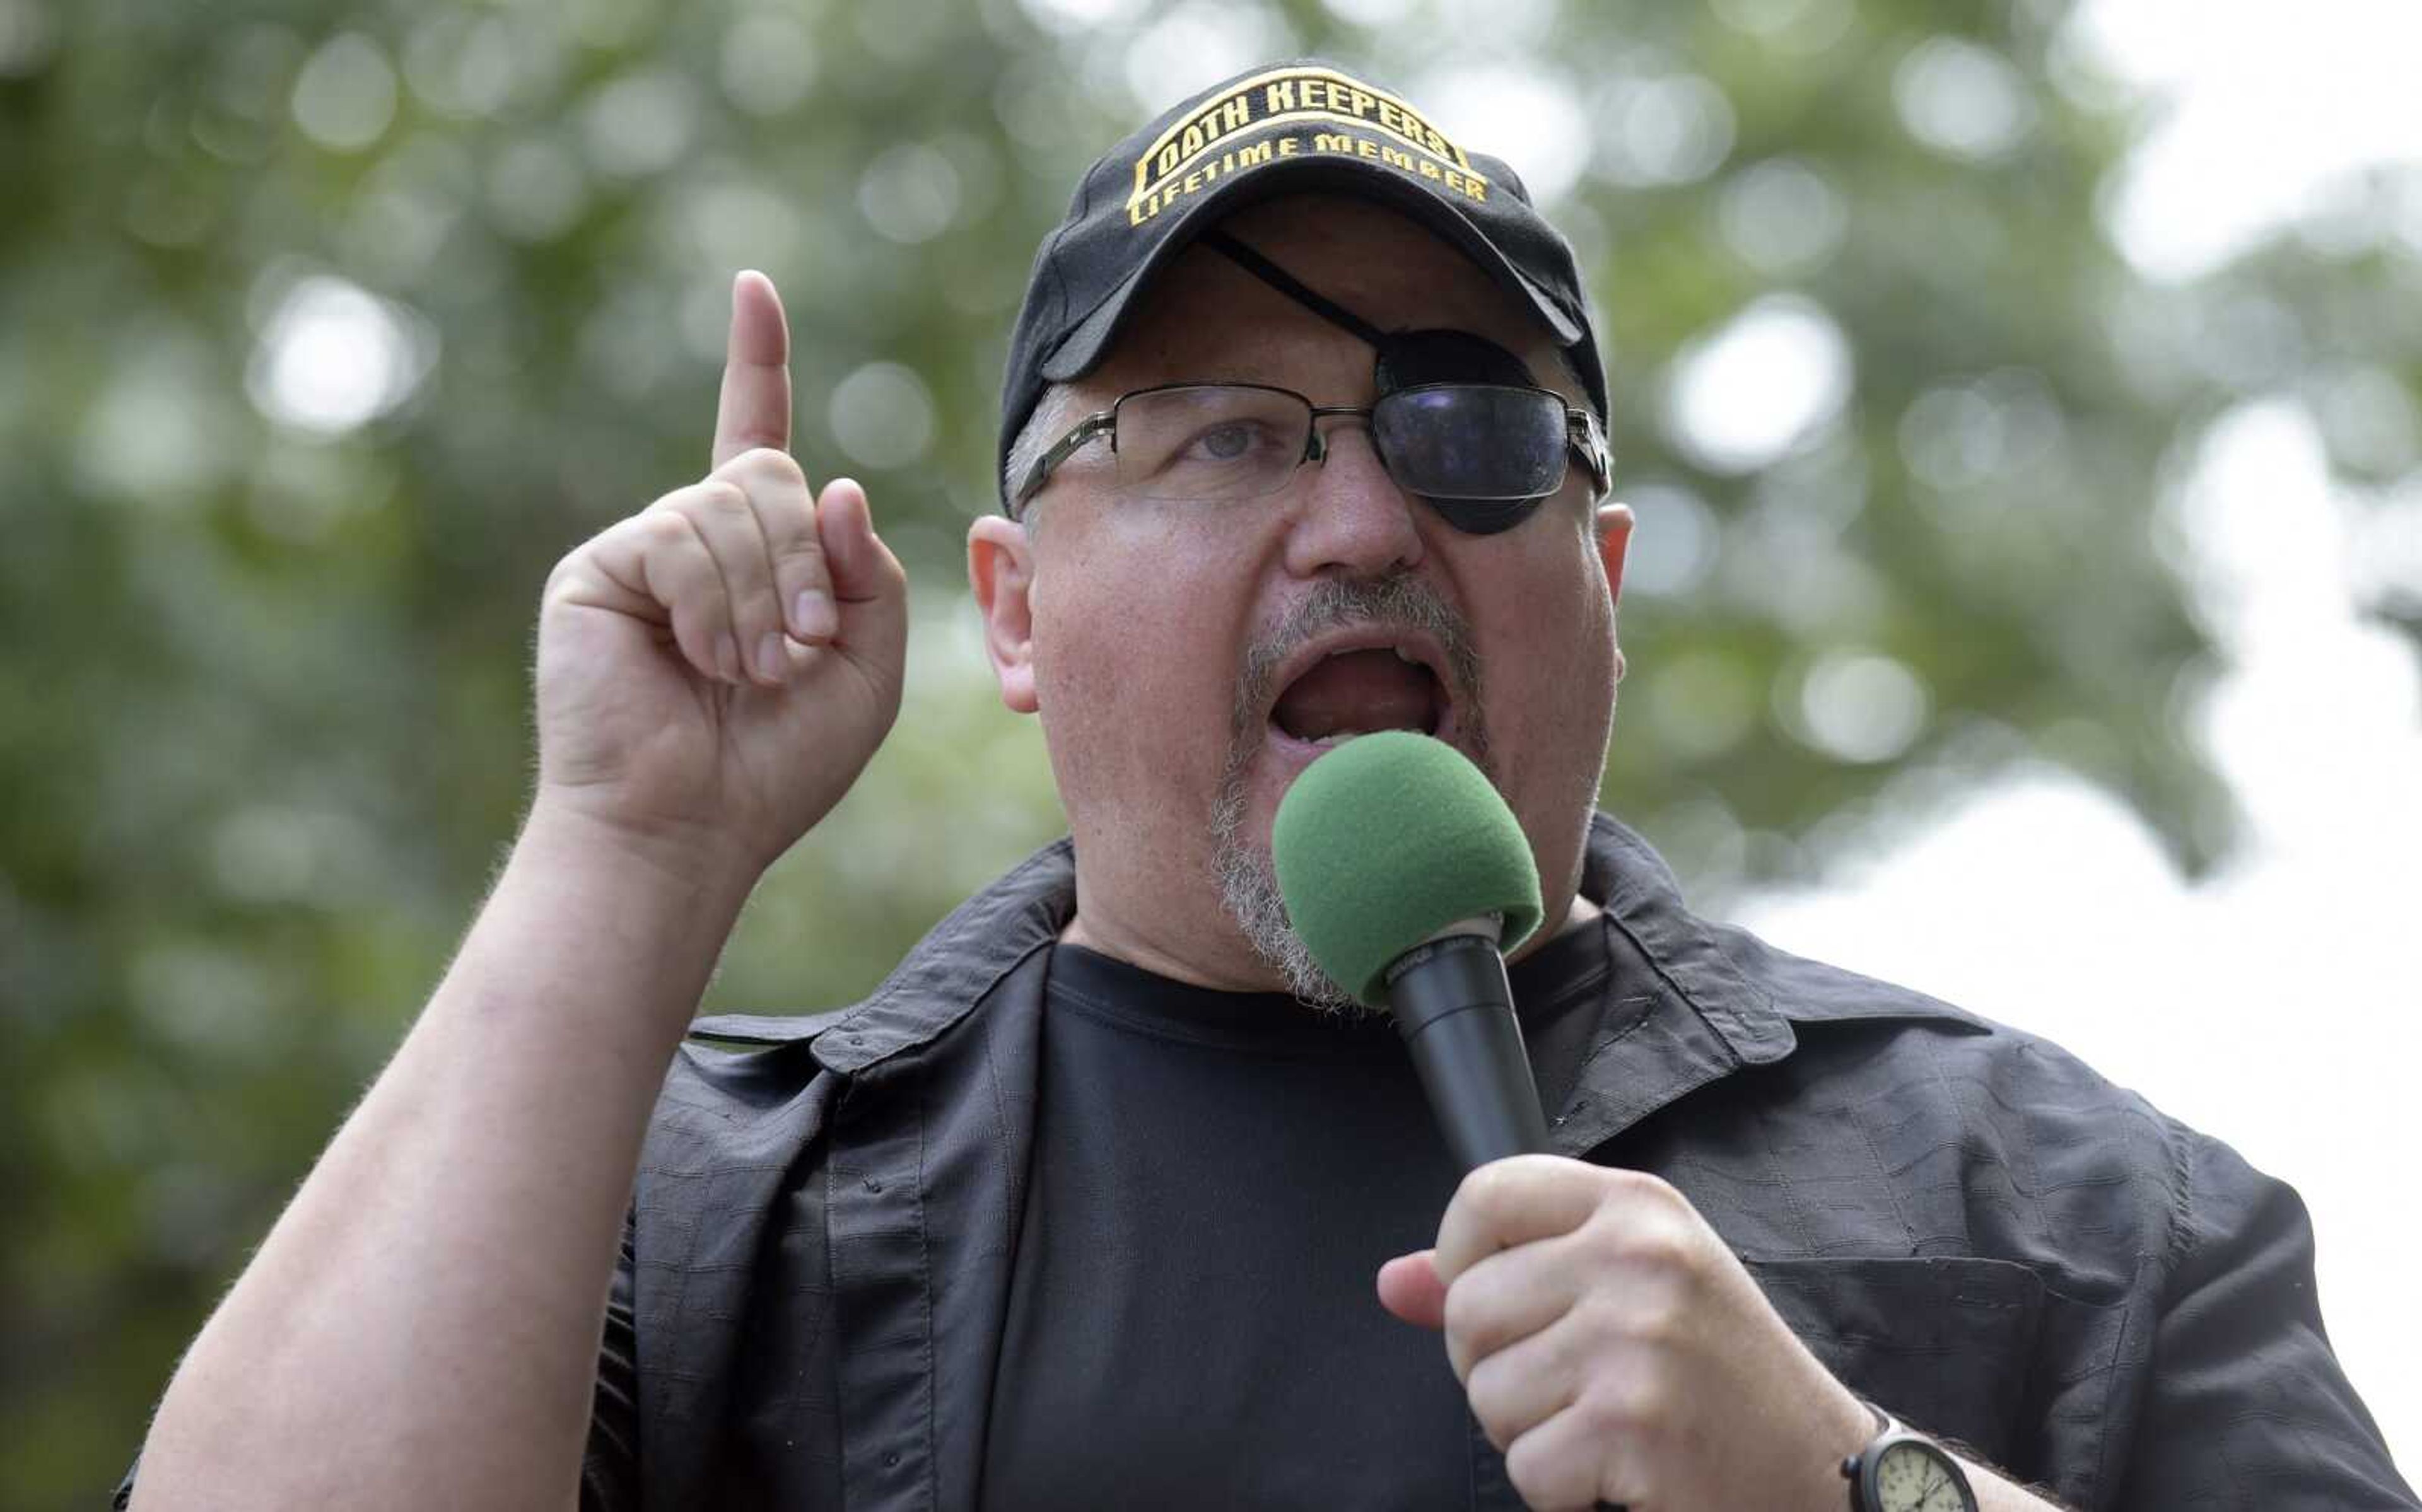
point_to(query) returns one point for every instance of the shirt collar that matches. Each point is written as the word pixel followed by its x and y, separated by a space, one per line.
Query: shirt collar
pixel 968 954
pixel 1632 883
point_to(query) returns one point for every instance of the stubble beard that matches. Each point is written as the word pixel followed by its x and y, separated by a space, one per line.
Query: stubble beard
pixel 1249 884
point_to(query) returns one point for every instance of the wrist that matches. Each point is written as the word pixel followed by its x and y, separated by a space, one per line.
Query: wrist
pixel 1902 1467
pixel 1848 1425
pixel 687 864
pixel 627 929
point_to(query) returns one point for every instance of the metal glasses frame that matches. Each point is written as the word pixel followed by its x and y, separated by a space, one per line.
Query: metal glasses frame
pixel 1582 434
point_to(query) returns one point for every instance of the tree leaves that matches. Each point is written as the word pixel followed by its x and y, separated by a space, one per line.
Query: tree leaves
pixel 263 686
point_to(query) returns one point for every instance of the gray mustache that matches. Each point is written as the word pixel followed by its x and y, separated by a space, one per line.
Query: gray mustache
pixel 1404 602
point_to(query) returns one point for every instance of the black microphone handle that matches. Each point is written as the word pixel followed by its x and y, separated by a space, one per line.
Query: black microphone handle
pixel 1456 1012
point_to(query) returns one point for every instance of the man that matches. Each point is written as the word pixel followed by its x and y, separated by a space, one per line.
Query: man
pixel 1302 437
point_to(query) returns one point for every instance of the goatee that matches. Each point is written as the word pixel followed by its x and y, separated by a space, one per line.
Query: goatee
pixel 1249 884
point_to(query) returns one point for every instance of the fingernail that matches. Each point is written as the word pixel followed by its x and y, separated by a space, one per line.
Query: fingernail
pixel 727 657
pixel 771 662
pixel 816 617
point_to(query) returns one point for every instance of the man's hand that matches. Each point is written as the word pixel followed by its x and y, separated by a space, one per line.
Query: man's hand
pixel 714 671
pixel 1615 1351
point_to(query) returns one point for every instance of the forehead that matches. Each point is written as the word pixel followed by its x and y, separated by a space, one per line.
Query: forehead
pixel 1207 318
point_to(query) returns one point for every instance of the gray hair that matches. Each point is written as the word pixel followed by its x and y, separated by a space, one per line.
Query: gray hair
pixel 1051 416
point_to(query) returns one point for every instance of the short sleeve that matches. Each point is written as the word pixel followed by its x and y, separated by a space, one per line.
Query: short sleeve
pixel 2247 1406
pixel 609 1466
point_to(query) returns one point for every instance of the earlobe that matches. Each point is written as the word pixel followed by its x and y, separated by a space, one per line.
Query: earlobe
pixel 1000 569
pixel 1614 526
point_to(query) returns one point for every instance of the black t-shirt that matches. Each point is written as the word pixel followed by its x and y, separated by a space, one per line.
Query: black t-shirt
pixel 1216 1177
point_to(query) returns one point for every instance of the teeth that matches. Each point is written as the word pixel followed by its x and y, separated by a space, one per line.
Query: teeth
pixel 1406 657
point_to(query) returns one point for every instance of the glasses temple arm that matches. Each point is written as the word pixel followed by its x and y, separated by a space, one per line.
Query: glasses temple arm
pixel 1582 434
pixel 1084 432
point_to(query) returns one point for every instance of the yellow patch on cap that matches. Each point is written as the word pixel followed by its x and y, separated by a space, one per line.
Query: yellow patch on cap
pixel 1266 118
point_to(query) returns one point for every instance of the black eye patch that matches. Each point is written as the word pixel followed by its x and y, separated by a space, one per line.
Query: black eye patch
pixel 1416 359
pixel 1409 359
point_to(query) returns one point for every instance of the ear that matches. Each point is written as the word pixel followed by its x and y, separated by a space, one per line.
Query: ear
pixel 1613 528
pixel 1001 569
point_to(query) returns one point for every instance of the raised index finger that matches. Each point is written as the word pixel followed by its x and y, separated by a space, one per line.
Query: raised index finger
pixel 755 407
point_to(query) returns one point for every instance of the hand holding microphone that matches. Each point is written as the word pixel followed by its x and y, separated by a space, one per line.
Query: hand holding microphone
pixel 1607 1340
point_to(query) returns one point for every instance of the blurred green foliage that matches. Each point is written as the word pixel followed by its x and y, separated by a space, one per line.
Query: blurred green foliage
pixel 324 330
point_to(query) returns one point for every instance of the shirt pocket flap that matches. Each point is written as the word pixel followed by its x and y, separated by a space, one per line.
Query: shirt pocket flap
pixel 1944 1344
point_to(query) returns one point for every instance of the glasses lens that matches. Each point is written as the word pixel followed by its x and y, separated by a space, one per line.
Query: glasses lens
pixel 1473 440
pixel 1210 441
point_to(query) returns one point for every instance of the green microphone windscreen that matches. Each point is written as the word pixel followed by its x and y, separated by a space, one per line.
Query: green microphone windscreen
pixel 1387 839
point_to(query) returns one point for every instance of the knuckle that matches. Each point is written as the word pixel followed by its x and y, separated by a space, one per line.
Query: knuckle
pixel 1665 1249
pixel 1507 1182
pixel 1607 1409
pixel 1486 1189
pixel 1538 1472
pixel 769 466
pixel 1465 1312
pixel 665 531
pixel 1656 1317
pixel 1605 1236
pixel 802 551
pixel 1645 1187
pixel 1490 1393
pixel 687 584
pixel 759 612
pixel 1645 1402
pixel 698 593
pixel 720 496
pixel 1604 1320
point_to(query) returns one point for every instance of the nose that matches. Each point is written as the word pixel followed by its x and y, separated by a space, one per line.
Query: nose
pixel 1351 519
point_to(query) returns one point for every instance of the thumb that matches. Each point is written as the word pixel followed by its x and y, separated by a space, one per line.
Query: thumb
pixel 1411 1288
pixel 868 586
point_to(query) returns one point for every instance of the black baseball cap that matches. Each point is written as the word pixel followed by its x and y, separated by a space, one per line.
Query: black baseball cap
pixel 1282 128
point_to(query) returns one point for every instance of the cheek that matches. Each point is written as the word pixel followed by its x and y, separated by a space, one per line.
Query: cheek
pixel 1134 666
pixel 1551 685
pixel 1557 620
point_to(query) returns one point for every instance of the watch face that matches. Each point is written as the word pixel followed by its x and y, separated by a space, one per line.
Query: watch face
pixel 1913 1477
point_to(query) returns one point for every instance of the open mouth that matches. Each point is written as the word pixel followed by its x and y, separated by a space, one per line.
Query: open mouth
pixel 1354 689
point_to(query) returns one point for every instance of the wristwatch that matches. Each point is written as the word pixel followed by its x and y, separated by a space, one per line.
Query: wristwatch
pixel 1903 1472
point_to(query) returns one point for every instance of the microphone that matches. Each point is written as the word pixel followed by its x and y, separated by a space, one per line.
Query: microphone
pixel 1407 878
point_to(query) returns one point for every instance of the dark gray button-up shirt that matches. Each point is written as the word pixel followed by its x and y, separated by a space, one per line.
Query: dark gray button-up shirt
pixel 1966 1224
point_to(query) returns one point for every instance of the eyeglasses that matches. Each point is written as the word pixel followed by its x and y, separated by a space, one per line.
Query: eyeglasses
pixel 1484 454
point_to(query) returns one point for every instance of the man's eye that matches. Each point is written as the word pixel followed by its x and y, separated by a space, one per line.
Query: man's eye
pixel 1229 443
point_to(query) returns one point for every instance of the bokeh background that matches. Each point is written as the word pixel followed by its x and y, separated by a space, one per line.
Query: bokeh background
pixel 2019 399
